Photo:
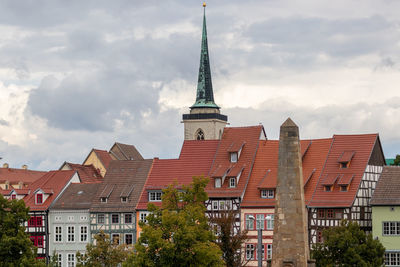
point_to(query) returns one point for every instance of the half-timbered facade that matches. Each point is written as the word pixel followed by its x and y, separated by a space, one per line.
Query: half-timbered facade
pixel 42 193
pixel 113 207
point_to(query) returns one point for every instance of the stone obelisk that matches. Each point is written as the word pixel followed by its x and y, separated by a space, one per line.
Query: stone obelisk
pixel 290 243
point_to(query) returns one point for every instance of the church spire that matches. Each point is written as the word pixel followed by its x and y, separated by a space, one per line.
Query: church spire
pixel 205 95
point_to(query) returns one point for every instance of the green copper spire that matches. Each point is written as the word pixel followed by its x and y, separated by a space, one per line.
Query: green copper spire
pixel 205 95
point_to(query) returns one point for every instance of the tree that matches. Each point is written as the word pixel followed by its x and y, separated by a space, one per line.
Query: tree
pixel 103 253
pixel 396 161
pixel 348 245
pixel 230 241
pixel 178 234
pixel 16 249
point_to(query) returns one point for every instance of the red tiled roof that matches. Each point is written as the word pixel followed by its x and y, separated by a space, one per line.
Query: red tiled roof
pixel 87 173
pixel 235 170
pixel 195 159
pixel 220 171
pixel 104 157
pixel 265 170
pixel 236 146
pixel 363 146
pixel 346 179
pixel 330 179
pixel 52 182
pixel 19 175
pixel 250 136
pixel 346 156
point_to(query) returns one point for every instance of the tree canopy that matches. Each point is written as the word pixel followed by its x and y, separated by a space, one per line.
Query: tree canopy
pixel 16 249
pixel 396 161
pixel 348 245
pixel 102 253
pixel 178 233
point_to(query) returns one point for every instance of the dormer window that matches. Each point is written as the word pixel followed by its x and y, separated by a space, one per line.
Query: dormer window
pixel 103 200
pixel 124 199
pixel 327 188
pixel 344 165
pixel 155 196
pixel 345 158
pixel 234 156
pixel 269 193
pixel 232 182
pixel 343 188
pixel 217 182
pixel 39 198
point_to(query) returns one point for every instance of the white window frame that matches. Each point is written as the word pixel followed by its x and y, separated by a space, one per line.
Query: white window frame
pixel 250 251
pixel 83 233
pixel 124 199
pixel 232 182
pixel 155 196
pixel 221 205
pixel 57 235
pixel 70 236
pixel 215 205
pixel 218 182
pixel 269 251
pixel 57 218
pixel 392 258
pixel 71 260
pixel 125 239
pixel 260 221
pixel 391 228
pixel 59 260
pixel 71 218
pixel 143 215
pixel 83 218
pixel 234 157
pixel 270 221
pixel 249 222
pixel 103 199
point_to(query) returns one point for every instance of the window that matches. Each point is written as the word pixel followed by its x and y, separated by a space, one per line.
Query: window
pixel 200 135
pixel 71 218
pixel 39 198
pixel 71 260
pixel 344 165
pixel 328 188
pixel 100 218
pixel 84 234
pixel 13 196
pixel 115 239
pixel 59 260
pixel 57 218
pixel 71 234
pixel 128 218
pixel 249 252
pixel 39 241
pixel 343 188
pixel 228 204
pixel 221 205
pixel 249 222
pixel 124 199
pixel 269 251
pixel 128 239
pixel 392 258
pixel 234 157
pixel 35 221
pixel 215 205
pixel 391 228
pixel 319 236
pixel 143 216
pixel 217 182
pixel 330 214
pixel 83 218
pixel 155 196
pixel 338 214
pixel 58 234
pixel 270 221
pixel 267 193
pixel 260 221
pixel 232 182
pixel 321 214
pixel 103 200
pixel 114 218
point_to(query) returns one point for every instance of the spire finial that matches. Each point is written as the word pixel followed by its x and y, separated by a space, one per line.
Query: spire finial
pixel 205 95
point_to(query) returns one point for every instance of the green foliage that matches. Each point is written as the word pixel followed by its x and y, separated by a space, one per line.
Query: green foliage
pixel 178 234
pixel 229 241
pixel 102 253
pixel 16 249
pixel 348 245
pixel 396 161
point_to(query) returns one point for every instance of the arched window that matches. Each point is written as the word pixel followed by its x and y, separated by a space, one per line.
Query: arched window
pixel 200 134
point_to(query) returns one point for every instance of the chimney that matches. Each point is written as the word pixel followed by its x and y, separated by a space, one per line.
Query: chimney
pixel 5 165
pixel 25 167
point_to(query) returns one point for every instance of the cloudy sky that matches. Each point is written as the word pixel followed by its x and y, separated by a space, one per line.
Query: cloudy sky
pixel 81 74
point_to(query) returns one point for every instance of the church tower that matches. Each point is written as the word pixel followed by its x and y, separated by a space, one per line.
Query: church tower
pixel 205 122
